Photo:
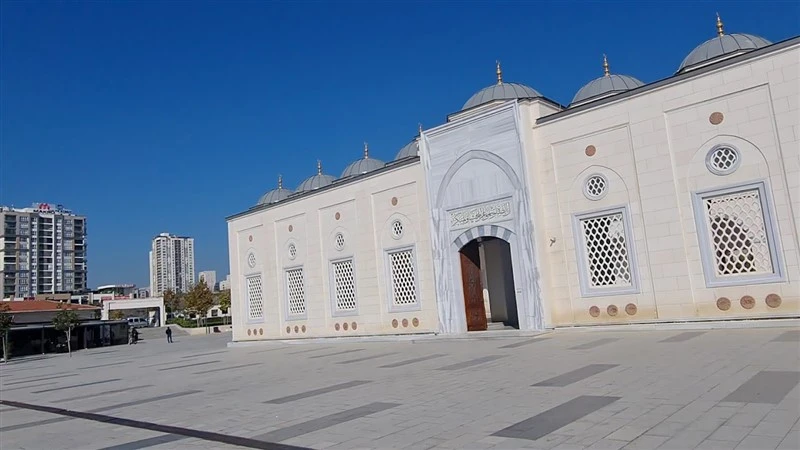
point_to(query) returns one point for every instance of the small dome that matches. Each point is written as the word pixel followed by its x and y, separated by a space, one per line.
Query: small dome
pixel 608 84
pixel 721 45
pixel 500 91
pixel 317 181
pixel 275 195
pixel 363 165
pixel 409 150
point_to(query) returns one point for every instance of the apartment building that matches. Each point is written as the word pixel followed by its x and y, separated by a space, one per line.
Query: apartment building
pixel 43 248
pixel 171 264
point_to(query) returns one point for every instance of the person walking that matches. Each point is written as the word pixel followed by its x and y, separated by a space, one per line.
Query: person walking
pixel 169 335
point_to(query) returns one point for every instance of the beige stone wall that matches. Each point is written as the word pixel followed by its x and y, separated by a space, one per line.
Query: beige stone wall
pixel 364 213
pixel 652 148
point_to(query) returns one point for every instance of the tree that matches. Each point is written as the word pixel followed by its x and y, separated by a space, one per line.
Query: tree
pixel 117 314
pixel 199 300
pixel 225 301
pixel 6 320
pixel 65 320
pixel 173 301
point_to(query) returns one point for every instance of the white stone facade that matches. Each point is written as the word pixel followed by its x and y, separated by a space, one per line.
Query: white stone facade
pixel 674 201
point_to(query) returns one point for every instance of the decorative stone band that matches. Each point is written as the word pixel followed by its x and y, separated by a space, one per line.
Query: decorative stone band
pixel 482 213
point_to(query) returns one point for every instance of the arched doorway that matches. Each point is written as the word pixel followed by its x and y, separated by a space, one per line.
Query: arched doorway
pixel 488 284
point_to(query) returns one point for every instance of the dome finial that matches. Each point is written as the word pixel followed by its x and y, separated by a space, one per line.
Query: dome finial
pixel 499 73
pixel 280 181
pixel 319 167
pixel 720 30
pixel 419 128
pixel 366 150
pixel 605 66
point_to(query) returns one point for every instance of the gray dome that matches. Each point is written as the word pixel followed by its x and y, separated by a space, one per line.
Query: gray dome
pixel 317 181
pixel 409 150
pixel 275 195
pixel 725 44
pixel 363 165
pixel 607 84
pixel 500 91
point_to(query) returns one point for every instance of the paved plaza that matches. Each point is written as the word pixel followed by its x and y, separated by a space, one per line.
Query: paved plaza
pixel 598 389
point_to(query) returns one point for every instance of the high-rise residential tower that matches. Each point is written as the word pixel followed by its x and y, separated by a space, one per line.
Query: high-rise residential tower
pixel 171 264
pixel 43 248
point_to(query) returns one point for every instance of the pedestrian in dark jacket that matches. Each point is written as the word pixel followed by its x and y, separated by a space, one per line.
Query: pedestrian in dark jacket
pixel 169 335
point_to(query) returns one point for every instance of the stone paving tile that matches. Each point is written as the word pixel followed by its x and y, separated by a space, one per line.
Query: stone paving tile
pixel 675 395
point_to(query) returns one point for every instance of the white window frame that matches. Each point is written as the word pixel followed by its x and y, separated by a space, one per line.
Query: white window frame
pixel 392 307
pixel 289 316
pixel 335 312
pixel 246 296
pixel 587 290
pixel 778 274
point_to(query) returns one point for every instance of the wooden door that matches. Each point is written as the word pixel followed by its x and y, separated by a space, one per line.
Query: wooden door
pixel 473 290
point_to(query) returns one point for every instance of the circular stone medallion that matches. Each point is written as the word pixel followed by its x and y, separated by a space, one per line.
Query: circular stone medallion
pixel 612 310
pixel 394 323
pixel 630 309
pixel 773 300
pixel 723 304
pixel 590 150
pixel 594 311
pixel 716 118
pixel 747 302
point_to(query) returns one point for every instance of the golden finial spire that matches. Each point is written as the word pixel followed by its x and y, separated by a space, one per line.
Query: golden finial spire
pixel 720 31
pixel 499 73
pixel 280 182
pixel 605 66
pixel 319 167
pixel 366 150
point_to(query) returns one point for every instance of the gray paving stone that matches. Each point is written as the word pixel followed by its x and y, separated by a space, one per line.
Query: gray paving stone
pixel 765 387
pixel 759 443
pixel 315 392
pixel 576 375
pixel 593 344
pixel 730 433
pixel 683 336
pixel 472 362
pixel 551 420
pixel 646 443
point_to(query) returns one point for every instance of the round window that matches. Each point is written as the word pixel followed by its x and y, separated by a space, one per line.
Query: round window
pixel 397 229
pixel 596 187
pixel 723 160
pixel 338 241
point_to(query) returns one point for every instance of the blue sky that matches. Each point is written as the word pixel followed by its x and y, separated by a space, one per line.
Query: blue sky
pixel 159 116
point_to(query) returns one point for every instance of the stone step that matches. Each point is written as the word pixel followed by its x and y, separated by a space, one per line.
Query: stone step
pixel 492 326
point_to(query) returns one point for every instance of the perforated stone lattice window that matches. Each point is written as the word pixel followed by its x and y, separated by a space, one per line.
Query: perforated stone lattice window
pixel 255 297
pixel 723 160
pixel 404 283
pixel 397 229
pixel 738 234
pixel 595 187
pixel 606 251
pixel 251 260
pixel 295 291
pixel 344 285
pixel 338 241
pixel 292 251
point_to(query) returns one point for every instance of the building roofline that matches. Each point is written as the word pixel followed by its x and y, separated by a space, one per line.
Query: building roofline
pixel 678 77
pixel 337 183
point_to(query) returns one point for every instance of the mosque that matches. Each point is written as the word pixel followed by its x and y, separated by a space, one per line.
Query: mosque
pixel 671 201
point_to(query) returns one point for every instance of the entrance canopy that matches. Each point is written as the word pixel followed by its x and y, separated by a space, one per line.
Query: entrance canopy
pixel 136 303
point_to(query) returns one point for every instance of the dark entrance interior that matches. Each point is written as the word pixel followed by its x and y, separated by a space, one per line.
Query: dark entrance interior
pixel 489 295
